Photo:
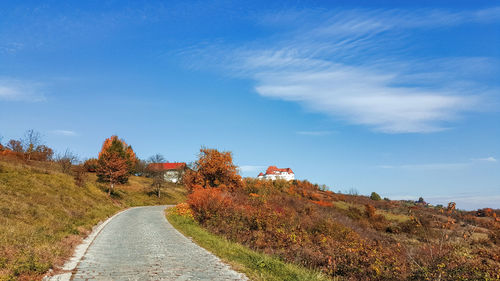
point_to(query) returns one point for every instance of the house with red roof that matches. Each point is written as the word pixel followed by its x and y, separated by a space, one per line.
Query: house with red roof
pixel 172 172
pixel 275 173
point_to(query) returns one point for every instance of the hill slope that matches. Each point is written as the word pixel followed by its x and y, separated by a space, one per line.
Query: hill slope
pixel 352 237
pixel 43 214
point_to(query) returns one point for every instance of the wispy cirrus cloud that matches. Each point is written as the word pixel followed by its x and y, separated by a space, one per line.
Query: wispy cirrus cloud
pixel 66 133
pixel 354 65
pixel 487 159
pixel 17 90
pixel 440 166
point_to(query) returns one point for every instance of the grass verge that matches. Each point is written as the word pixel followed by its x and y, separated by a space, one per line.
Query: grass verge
pixel 255 265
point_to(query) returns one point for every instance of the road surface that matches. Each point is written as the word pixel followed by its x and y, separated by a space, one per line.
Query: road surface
pixel 140 244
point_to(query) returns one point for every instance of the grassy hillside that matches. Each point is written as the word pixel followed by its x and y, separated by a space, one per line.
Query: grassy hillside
pixel 43 214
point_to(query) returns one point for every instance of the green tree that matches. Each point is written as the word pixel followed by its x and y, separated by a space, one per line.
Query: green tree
pixel 374 196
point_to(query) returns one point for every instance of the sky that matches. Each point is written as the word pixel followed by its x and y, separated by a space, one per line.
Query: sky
pixel 397 97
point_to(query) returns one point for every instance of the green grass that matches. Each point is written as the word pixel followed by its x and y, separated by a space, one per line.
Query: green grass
pixel 393 217
pixel 44 215
pixel 256 266
pixel 388 215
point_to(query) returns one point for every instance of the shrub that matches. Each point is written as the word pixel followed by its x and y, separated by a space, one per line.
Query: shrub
pixel 374 196
pixel 91 165
pixel 213 169
pixel 369 211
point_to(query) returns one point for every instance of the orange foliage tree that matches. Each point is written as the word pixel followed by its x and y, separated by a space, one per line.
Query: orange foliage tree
pixel 116 161
pixel 213 169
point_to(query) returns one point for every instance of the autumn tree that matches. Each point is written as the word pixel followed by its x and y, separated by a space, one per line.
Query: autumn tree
pixel 213 169
pixel 15 145
pixel 140 167
pixel 112 168
pixel 66 161
pixel 42 153
pixel 120 147
pixel 116 162
pixel 90 165
pixel 32 139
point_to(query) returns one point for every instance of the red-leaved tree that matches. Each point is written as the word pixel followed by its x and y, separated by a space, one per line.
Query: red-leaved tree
pixel 116 161
pixel 213 169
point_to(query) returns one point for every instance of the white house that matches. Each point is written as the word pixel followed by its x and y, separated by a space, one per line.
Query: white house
pixel 172 172
pixel 274 173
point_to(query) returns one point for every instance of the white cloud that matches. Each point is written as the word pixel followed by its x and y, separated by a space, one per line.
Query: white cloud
pixel 439 166
pixel 487 159
pixel 65 133
pixel 353 65
pixel 364 96
pixel 16 90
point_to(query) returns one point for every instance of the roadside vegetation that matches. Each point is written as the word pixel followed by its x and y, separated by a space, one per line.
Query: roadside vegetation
pixel 347 237
pixel 255 265
pixel 49 203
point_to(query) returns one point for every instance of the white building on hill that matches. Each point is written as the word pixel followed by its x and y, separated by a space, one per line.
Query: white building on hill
pixel 274 173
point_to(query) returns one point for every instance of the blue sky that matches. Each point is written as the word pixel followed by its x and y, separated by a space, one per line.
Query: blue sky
pixel 393 97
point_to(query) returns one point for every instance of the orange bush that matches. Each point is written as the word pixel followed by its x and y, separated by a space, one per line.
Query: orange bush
pixel 213 169
pixel 183 209
pixel 322 203
pixel 207 202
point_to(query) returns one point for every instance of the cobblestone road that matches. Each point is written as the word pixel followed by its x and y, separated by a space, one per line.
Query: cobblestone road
pixel 140 244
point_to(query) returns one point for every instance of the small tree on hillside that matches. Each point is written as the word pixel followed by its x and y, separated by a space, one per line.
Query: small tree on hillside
pixel 213 169
pixel 32 139
pixel 15 145
pixel 116 162
pixel 66 161
pixel 114 145
pixel 157 158
pixel 140 167
pixel 374 196
pixel 91 165
pixel 156 173
pixel 112 168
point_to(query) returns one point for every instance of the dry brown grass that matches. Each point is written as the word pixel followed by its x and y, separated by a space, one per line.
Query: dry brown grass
pixel 44 215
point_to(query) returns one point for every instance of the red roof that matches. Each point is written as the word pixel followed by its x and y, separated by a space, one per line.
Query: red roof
pixel 274 170
pixel 167 166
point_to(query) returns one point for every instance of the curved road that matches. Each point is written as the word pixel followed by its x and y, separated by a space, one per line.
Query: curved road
pixel 140 244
